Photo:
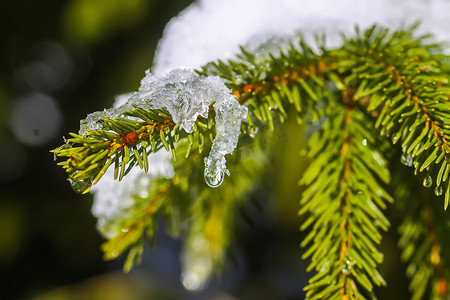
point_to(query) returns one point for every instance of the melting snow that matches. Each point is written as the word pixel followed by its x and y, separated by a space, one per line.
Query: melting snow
pixel 212 29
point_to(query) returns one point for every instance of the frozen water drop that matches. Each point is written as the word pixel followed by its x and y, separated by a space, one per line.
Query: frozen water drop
pixel 215 169
pixel 438 191
pixel 214 179
pixel 81 186
pixel 406 159
pixel 428 181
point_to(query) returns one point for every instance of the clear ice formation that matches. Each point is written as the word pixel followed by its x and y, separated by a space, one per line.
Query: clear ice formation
pixel 186 96
pixel 229 114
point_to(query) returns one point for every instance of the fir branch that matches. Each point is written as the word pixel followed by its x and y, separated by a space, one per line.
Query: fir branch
pixel 346 174
pixel 267 84
pixel 192 216
pixel 421 244
pixel 124 143
pixel 398 79
pixel 379 83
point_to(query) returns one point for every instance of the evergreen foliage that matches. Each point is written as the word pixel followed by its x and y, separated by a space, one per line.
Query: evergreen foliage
pixel 381 96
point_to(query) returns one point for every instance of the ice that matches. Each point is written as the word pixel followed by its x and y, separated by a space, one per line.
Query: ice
pixel 92 120
pixel 114 199
pixel 212 29
pixel 229 114
pixel 185 95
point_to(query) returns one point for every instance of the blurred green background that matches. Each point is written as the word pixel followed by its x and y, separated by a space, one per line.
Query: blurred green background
pixel 59 61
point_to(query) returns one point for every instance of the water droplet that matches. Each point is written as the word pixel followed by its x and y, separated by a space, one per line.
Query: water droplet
pixel 81 186
pixel 364 142
pixel 394 139
pixel 345 271
pixel 348 265
pixel 428 181
pixel 214 179
pixel 253 132
pixel 438 191
pixel 114 253
pixel 406 159
pixel 124 230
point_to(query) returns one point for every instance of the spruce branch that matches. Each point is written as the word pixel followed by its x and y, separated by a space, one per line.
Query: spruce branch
pixel 125 143
pixel 378 87
pixel 399 80
pixel 192 216
pixel 346 173
pixel 421 241
pixel 267 84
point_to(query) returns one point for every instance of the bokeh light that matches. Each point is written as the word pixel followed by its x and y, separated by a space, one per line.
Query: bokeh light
pixel 35 119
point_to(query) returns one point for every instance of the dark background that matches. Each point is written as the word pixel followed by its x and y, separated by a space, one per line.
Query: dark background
pixel 59 61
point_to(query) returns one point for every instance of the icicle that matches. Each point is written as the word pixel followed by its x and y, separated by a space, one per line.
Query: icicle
pixel 229 114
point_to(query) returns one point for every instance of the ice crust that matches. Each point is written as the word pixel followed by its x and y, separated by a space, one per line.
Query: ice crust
pixel 183 93
pixel 186 96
